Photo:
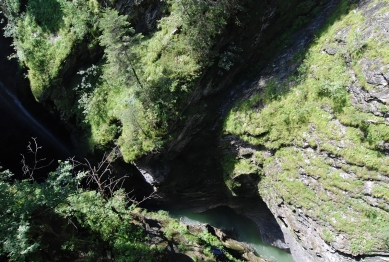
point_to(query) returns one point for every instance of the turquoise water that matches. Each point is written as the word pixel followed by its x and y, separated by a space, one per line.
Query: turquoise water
pixel 245 229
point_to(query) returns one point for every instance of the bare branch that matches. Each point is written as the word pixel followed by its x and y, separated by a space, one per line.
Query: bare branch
pixel 73 223
pixel 102 176
pixel 33 148
pixel 152 195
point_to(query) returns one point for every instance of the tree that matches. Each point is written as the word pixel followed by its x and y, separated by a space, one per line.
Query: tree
pixel 117 38
pixel 10 9
pixel 204 21
pixel 24 204
pixel 58 220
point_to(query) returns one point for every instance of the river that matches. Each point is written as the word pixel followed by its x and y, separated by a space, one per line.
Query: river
pixel 245 229
pixel 18 126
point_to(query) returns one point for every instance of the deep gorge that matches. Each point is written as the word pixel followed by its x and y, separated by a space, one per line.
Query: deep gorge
pixel 277 114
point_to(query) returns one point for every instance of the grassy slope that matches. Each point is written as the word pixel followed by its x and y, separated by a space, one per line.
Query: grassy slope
pixel 308 121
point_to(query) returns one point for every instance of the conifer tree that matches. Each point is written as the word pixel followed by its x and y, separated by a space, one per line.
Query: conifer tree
pixel 117 38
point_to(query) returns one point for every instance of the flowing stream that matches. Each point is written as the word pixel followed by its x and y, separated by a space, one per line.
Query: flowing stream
pixel 245 229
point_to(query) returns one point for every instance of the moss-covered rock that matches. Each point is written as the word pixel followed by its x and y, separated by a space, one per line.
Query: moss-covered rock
pixel 324 130
pixel 197 242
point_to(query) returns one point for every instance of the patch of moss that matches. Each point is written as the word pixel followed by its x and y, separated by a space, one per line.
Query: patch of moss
pixel 235 166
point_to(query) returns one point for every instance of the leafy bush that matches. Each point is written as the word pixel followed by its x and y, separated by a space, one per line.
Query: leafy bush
pixel 39 218
pixel 46 34
pixel 140 84
pixel 20 220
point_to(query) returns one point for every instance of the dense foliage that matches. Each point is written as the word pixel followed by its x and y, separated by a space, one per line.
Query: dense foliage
pixel 135 94
pixel 45 34
pixel 56 221
pixel 137 90
pixel 156 73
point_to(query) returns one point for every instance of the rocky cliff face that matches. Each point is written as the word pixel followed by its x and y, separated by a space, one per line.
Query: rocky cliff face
pixel 187 172
pixel 313 129
pixel 309 135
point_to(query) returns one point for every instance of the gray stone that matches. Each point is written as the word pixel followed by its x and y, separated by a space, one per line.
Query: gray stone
pixel 154 172
pixel 383 96
pixel 330 50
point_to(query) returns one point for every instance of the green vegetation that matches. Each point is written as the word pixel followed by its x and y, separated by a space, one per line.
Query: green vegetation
pixel 134 94
pixel 156 73
pixel 189 238
pixel 46 34
pixel 139 89
pixel 309 120
pixel 234 167
pixel 142 81
pixel 57 220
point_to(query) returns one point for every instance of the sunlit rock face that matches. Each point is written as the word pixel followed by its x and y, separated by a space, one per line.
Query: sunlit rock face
pixel 311 139
pixel 317 121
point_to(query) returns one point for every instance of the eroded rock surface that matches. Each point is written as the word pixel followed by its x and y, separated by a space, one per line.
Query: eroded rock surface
pixel 318 139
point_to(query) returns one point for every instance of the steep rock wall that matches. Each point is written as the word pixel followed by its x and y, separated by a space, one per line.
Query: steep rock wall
pixel 188 173
pixel 314 129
